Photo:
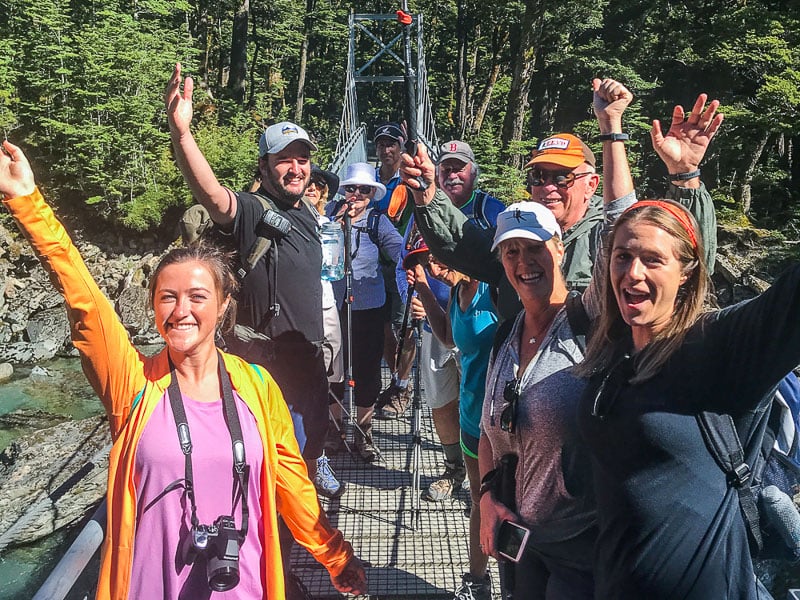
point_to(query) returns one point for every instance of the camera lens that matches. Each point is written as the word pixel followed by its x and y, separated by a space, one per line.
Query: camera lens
pixel 222 567
pixel 224 577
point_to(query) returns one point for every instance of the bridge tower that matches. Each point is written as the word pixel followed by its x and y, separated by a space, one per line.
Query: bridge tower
pixel 375 56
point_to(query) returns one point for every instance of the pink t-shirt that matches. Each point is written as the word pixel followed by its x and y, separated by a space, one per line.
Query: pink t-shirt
pixel 159 570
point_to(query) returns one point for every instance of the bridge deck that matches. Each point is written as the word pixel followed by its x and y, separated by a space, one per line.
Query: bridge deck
pixel 376 513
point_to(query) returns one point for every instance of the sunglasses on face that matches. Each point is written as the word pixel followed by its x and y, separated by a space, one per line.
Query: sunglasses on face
pixel 561 179
pixel 317 184
pixel 508 418
pixel 361 189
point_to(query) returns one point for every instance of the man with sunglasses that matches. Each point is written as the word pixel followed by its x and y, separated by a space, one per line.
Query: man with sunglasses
pixel 562 177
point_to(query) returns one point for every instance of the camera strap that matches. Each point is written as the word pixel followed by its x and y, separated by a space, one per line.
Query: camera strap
pixel 241 469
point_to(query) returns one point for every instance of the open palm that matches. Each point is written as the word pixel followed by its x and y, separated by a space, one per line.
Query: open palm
pixel 686 142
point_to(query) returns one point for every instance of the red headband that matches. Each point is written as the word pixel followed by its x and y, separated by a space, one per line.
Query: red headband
pixel 676 212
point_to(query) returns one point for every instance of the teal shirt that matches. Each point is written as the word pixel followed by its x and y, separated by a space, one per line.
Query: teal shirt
pixel 473 333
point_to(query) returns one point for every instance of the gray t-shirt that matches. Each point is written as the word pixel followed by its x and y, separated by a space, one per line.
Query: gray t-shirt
pixel 554 489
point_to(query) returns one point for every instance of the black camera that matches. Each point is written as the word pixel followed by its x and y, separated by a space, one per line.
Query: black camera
pixel 273 225
pixel 219 544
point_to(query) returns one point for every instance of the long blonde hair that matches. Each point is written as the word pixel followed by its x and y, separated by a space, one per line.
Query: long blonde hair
pixel 611 335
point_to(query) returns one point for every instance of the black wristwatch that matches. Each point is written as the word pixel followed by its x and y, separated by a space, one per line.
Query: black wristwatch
pixel 613 137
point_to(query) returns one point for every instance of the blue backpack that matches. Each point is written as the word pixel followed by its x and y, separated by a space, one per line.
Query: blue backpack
pixel 767 475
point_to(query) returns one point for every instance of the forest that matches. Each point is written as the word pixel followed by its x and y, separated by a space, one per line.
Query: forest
pixel 81 85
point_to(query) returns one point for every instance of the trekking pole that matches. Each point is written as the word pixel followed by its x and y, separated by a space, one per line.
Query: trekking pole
pixel 410 80
pixel 416 432
pixel 403 328
pixel 349 383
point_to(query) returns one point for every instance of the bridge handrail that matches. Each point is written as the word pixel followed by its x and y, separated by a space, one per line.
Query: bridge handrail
pixel 69 568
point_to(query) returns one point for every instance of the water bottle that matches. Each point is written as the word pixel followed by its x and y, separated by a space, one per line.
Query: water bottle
pixel 332 238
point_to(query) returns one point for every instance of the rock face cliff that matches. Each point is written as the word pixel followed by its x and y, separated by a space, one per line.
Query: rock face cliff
pixel 33 322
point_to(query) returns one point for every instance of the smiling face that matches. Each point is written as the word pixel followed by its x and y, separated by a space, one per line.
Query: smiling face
pixel 533 269
pixel 358 199
pixel 568 204
pixel 646 274
pixel 457 180
pixel 188 307
pixel 285 175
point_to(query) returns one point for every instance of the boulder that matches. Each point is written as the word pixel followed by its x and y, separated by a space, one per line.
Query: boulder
pixel 50 478
pixel 6 371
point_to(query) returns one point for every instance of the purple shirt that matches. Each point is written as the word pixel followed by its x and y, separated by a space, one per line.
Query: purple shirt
pixel 158 568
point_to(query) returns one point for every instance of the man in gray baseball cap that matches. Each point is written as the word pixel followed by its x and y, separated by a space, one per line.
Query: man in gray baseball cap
pixel 281 297
pixel 278 136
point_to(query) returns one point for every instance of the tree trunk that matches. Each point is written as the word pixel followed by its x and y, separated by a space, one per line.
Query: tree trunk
pixel 256 51
pixel 500 39
pixel 524 64
pixel 461 70
pixel 238 73
pixel 301 76
pixel 744 190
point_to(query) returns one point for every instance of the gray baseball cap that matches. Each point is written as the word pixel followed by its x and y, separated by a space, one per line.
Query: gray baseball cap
pixel 280 135
pixel 458 150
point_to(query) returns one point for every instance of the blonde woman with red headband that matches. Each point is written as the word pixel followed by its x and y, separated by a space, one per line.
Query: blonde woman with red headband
pixel 669 523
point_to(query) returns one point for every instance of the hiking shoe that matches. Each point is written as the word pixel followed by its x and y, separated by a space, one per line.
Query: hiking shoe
pixel 334 438
pixel 325 480
pixel 366 449
pixel 451 481
pixel 397 402
pixel 385 396
pixel 474 588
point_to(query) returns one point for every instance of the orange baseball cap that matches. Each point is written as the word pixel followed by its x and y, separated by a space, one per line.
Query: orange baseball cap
pixel 563 149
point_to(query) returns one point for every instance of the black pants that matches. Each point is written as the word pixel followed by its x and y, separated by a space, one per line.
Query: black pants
pixel 303 380
pixel 554 571
pixel 367 326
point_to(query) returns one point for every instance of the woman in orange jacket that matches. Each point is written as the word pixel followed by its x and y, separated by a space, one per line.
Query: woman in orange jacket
pixel 204 454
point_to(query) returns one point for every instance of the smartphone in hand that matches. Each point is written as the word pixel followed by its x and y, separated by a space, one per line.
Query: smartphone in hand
pixel 511 540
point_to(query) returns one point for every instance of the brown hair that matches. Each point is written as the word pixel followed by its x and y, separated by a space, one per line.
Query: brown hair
pixel 218 264
pixel 611 334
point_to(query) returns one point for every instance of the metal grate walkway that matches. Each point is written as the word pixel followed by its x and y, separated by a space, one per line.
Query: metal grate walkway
pixel 376 515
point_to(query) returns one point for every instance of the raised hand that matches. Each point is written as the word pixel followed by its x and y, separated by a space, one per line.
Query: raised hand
pixel 352 579
pixel 179 106
pixel 685 144
pixel 16 176
pixel 609 101
pixel 420 165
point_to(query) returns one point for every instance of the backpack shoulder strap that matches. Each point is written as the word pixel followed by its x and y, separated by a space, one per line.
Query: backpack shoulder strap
pixel 579 321
pixel 373 223
pixel 478 212
pixel 501 334
pixel 722 440
pixel 259 247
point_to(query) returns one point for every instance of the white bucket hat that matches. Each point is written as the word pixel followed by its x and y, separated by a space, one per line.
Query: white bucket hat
pixel 527 220
pixel 362 174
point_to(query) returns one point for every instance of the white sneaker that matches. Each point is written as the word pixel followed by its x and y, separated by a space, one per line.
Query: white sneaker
pixel 325 480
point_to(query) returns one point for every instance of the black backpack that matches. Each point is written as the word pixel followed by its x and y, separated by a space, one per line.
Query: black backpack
pixel 766 476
